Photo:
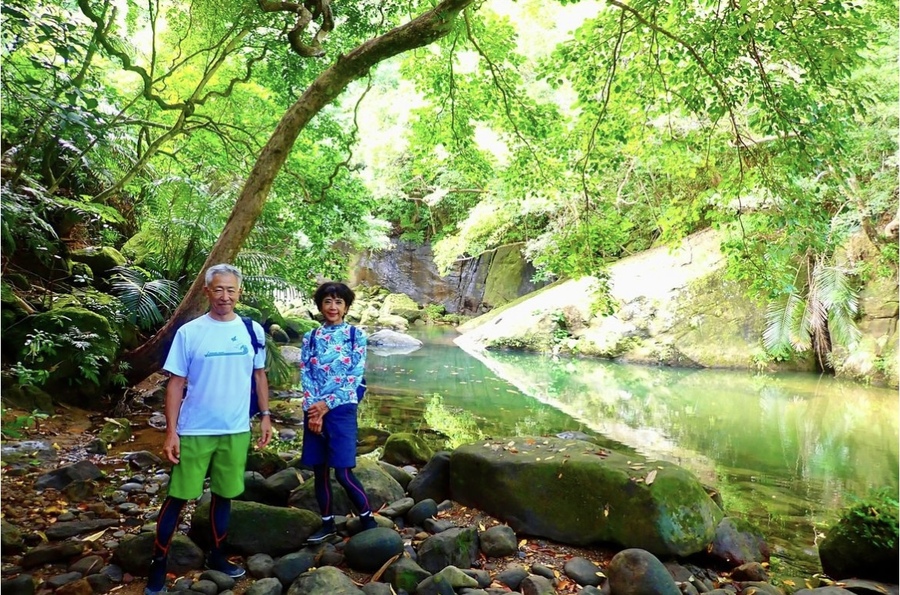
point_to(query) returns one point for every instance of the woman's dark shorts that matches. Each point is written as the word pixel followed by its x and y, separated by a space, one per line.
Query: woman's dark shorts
pixel 336 445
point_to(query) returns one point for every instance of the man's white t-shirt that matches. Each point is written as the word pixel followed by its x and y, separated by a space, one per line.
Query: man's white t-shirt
pixel 217 359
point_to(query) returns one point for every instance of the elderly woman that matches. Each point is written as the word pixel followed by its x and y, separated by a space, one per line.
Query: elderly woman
pixel 333 359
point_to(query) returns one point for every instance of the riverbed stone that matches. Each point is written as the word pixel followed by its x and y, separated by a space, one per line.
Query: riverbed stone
pixel 398 508
pixel 284 482
pixel 80 586
pixel 50 553
pixel 498 541
pixel 60 478
pixel 326 580
pixel 583 571
pixel 751 571
pixel 55 582
pixel 21 585
pixel 638 572
pixel 377 589
pixel 143 459
pixel 513 576
pixel 536 585
pixel 10 538
pixel 205 587
pixel 405 574
pixel 448 580
pixel 402 476
pixel 261 566
pixel 369 550
pixel 266 586
pixel 433 480
pixel 59 531
pixel 134 552
pixel 256 528
pixel 406 448
pixel 455 547
pixel 100 583
pixel 737 542
pixel 576 492
pixel 88 565
pixel 422 510
pixel 288 567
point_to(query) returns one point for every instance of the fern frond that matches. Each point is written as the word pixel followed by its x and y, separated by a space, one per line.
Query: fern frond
pixel 842 303
pixel 280 372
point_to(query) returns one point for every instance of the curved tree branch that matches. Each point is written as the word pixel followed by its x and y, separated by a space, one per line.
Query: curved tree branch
pixel 419 32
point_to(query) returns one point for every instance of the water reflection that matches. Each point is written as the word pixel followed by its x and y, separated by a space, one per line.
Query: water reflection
pixel 787 451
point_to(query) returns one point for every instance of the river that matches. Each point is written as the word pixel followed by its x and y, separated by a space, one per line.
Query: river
pixel 786 451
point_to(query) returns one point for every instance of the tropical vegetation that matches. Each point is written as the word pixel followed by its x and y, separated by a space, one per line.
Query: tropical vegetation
pixel 283 136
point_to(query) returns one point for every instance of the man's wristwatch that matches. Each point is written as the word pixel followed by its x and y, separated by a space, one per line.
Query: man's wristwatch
pixel 266 413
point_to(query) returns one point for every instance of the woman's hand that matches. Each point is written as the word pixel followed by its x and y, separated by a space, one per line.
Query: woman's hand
pixel 315 414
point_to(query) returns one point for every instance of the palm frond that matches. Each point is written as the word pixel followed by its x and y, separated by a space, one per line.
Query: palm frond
pixel 280 372
pixel 841 300
pixel 782 319
pixel 147 299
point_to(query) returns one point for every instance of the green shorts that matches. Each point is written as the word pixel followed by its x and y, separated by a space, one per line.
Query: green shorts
pixel 225 457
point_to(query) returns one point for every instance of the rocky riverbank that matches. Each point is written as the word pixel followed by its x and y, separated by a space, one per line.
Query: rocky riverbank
pixel 76 523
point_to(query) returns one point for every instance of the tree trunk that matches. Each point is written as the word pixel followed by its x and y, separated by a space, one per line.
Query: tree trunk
pixel 419 32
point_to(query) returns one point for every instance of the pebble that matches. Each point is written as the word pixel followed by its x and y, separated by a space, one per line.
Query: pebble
pixel 118 497
pixel 131 487
pixel 66 516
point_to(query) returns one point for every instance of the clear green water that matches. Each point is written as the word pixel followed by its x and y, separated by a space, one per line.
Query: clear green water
pixel 786 451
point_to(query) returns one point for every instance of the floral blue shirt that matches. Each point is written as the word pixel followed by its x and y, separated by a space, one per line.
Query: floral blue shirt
pixel 333 372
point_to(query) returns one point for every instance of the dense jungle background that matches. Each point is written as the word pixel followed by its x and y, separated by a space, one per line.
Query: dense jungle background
pixel 141 140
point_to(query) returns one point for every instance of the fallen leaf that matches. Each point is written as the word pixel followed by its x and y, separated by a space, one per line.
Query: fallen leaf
pixel 651 477
pixel 523 543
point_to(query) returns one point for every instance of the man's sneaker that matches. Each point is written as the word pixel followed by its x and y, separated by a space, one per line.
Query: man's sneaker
pixel 324 533
pixel 367 521
pixel 218 561
pixel 156 577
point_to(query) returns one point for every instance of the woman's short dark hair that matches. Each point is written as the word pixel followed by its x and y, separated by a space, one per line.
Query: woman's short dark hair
pixel 332 289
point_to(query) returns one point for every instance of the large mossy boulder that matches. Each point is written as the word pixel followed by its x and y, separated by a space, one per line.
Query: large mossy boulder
pixel 84 348
pixel 101 260
pixel 258 529
pixel 381 489
pixel 107 306
pixel 406 448
pixel 297 326
pixel 578 493
pixel 504 281
pixel 864 542
pixel 400 304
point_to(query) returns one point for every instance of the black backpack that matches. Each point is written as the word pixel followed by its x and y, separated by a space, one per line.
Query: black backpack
pixel 361 389
pixel 254 398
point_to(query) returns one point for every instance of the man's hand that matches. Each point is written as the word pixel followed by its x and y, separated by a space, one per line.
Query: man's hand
pixel 172 447
pixel 265 425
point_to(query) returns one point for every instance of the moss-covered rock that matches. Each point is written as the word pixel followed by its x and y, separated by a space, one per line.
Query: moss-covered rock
pixel 296 325
pixel 82 348
pixel 101 260
pixel 115 431
pixel 400 304
pixel 575 492
pixel 405 448
pixel 381 489
pixel 258 528
pixel 28 398
pixel 107 306
pixel 864 543
pixel 507 271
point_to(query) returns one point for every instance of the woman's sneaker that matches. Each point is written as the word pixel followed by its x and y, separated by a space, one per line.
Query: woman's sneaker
pixel 324 533
pixel 367 521
pixel 218 561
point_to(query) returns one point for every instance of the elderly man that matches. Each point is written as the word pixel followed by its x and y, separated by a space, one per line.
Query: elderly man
pixel 208 425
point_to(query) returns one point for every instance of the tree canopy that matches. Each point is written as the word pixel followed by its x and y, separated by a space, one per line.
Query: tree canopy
pixel 270 132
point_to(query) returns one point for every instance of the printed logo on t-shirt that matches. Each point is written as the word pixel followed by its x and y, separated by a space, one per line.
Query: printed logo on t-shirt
pixel 242 351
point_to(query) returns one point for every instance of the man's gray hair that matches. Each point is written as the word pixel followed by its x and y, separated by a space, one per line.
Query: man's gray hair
pixel 222 269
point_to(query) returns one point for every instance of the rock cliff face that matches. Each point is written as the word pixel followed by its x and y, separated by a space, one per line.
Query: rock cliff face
pixel 675 307
pixel 473 286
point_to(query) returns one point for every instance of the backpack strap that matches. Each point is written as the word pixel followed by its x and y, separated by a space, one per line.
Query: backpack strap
pixel 248 323
pixel 352 337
